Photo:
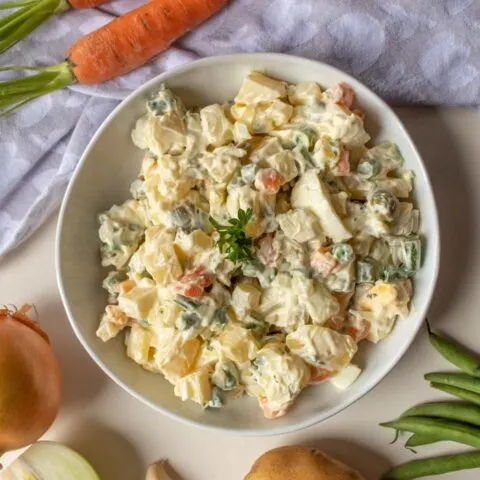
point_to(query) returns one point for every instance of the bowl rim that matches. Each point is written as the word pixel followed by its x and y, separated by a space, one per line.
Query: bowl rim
pixel 435 245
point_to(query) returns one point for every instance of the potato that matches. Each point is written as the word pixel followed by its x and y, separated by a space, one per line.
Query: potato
pixel 299 463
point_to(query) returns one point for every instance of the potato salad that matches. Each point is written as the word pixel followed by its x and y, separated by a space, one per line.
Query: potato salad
pixel 263 241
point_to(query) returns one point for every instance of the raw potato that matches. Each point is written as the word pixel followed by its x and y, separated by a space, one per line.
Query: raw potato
pixel 299 463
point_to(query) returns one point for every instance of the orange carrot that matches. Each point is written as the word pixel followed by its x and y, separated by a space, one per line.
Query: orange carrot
pixel 131 40
pixel 120 46
pixel 268 180
pixel 194 282
pixel 319 375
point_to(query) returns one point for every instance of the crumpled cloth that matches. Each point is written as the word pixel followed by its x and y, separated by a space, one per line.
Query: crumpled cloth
pixel 410 52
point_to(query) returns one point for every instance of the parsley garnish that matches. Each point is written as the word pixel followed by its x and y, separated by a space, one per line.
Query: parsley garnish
pixel 233 241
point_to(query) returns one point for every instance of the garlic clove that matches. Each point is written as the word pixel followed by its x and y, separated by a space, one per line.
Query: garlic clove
pixel 157 471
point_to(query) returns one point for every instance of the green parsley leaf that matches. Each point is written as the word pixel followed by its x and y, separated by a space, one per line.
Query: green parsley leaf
pixel 233 240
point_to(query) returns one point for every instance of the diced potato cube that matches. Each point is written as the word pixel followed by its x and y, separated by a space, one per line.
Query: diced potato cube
pixel 284 163
pixel 240 132
pixel 160 257
pixel 269 116
pixel 281 305
pixel 196 387
pixel 138 302
pixel 107 330
pixel 245 298
pixel 216 127
pixel 299 225
pixel 192 244
pixel 138 344
pixel 322 347
pixel 304 93
pixel 258 88
pixel 346 377
pixel 222 163
pixel 319 302
pixel 235 343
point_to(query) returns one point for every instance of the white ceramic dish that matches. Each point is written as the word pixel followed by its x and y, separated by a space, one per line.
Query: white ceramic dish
pixel 102 178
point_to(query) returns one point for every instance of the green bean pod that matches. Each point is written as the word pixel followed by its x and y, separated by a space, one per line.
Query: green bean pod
pixel 462 412
pixel 455 354
pixel 460 380
pixel 435 427
pixel 458 392
pixel 417 440
pixel 434 466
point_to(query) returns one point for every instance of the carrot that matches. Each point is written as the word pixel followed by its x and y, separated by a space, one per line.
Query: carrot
pixel 343 164
pixel 194 282
pixel 268 412
pixel 29 14
pixel 319 375
pixel 268 180
pixel 346 94
pixel 118 47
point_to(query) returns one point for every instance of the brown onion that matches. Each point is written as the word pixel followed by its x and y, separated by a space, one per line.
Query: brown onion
pixel 30 380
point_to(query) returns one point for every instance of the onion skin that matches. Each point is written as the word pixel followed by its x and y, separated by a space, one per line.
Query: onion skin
pixel 30 381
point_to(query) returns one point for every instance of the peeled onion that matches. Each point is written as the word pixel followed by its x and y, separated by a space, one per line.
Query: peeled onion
pixel 30 380
pixel 49 461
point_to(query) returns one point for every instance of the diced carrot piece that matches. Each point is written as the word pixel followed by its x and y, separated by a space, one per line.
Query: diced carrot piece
pixel 323 261
pixel 268 412
pixel 126 286
pixel 194 282
pixel 347 95
pixel 319 375
pixel 116 316
pixel 360 332
pixel 343 164
pixel 268 180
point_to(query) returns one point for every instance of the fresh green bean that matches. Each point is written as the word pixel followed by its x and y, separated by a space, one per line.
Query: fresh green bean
pixel 460 380
pixel 445 429
pixel 454 353
pixel 462 412
pixel 417 439
pixel 458 392
pixel 434 466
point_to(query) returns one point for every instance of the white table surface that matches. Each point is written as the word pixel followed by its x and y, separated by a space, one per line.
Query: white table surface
pixel 121 436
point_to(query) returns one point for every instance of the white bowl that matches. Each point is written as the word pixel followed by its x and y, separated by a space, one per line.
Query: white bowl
pixel 102 178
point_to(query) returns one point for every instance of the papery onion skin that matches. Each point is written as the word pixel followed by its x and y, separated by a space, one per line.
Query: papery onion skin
pixel 30 381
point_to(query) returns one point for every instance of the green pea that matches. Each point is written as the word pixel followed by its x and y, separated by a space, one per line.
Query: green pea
pixel 384 204
pixel 342 252
pixel 368 168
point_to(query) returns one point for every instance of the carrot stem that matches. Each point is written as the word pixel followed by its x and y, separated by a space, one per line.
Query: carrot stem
pixel 27 18
pixel 18 92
